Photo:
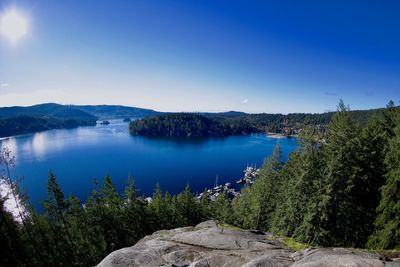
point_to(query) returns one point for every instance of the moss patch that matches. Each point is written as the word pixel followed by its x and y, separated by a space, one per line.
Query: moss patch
pixel 293 244
pixel 290 243
pixel 229 227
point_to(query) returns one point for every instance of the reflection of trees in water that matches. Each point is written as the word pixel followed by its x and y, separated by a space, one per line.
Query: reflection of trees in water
pixel 183 141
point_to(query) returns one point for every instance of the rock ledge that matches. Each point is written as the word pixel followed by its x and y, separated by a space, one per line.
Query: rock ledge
pixel 209 245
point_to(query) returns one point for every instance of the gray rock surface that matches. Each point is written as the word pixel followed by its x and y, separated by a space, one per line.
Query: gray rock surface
pixel 209 245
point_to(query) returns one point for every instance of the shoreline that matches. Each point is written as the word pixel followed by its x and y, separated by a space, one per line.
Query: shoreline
pixel 279 135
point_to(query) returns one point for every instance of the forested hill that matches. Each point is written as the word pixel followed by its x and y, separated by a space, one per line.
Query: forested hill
pixel 21 120
pixel 291 123
pixel 47 110
pixel 104 112
pixel 236 123
pixel 189 124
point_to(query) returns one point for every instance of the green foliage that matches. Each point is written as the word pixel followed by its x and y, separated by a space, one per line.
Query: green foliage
pixel 328 191
pixel 187 207
pixel 338 189
pixel 189 124
pixel 222 210
pixel 291 243
pixel 387 234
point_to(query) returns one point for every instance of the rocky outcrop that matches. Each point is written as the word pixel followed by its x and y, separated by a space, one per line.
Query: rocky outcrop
pixel 209 245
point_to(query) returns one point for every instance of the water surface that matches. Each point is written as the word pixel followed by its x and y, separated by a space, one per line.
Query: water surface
pixel 78 156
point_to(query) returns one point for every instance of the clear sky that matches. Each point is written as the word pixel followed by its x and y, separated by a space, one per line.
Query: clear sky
pixel 199 55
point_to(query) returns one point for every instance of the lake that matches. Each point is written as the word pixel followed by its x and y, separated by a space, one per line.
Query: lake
pixel 78 156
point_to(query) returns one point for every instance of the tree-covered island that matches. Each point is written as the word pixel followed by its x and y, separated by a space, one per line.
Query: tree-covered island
pixel 236 123
pixel 190 124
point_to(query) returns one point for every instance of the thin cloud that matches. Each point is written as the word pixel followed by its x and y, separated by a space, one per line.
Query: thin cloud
pixel 4 85
pixel 331 94
pixel 369 93
pixel 245 101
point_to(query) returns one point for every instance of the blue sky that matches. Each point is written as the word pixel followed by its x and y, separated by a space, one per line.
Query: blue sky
pixel 253 56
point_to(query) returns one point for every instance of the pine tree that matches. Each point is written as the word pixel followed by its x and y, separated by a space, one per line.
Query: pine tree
pixel 222 208
pixel 241 206
pixel 387 233
pixel 134 215
pixel 111 215
pixel 264 192
pixel 79 228
pixel 303 175
pixel 205 210
pixel 157 209
pixel 94 213
pixel 188 207
pixel 56 209
pixel 339 210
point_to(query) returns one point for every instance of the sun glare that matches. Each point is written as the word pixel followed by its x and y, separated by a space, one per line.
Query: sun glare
pixel 13 25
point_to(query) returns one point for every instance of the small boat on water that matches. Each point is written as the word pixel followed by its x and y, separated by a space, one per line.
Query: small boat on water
pixel 104 123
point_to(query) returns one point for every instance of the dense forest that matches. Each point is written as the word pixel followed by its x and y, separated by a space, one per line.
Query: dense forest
pixel 22 120
pixel 27 124
pixel 236 123
pixel 343 190
pixel 189 124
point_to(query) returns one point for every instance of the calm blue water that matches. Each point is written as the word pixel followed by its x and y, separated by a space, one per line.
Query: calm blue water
pixel 77 156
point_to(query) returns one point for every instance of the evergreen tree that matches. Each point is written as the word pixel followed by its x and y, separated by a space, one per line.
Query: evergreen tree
pixel 80 231
pixel 264 192
pixel 187 207
pixel 205 209
pixel 157 209
pixel 172 216
pixel 111 215
pixel 56 209
pixel 387 234
pixel 134 215
pixel 93 216
pixel 222 208
pixel 241 206
pixel 339 210
pixel 303 173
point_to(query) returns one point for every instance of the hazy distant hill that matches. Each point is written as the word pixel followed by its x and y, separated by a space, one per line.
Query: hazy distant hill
pixel 116 111
pixel 48 110
pixel 22 120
